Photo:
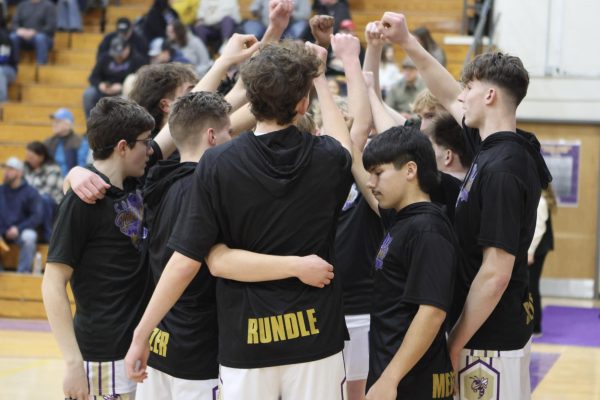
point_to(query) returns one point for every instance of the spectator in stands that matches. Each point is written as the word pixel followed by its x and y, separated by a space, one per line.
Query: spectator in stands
pixel 216 20
pixel 192 48
pixel 43 174
pixel 34 24
pixel 20 213
pixel 424 37
pixel 110 71
pixel 157 86
pixel 162 52
pixel 156 20
pixel 338 9
pixel 389 73
pixel 68 17
pixel 297 27
pixel 403 94
pixel 64 143
pixel 8 60
pixel 124 29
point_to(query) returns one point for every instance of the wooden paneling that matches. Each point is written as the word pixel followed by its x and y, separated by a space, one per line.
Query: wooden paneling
pixel 575 228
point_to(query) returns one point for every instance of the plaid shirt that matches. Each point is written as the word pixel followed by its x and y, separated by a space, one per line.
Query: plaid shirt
pixel 46 180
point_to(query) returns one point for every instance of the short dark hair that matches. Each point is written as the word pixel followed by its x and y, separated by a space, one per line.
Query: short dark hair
pixel 195 112
pixel 277 78
pixel 113 119
pixel 399 145
pixel 501 69
pixel 445 131
pixel 158 81
pixel 41 150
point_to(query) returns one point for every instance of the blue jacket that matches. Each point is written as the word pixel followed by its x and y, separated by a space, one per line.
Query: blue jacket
pixel 21 207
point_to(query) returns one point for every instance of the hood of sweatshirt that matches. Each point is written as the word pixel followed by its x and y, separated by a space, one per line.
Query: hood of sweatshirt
pixel 529 142
pixel 278 158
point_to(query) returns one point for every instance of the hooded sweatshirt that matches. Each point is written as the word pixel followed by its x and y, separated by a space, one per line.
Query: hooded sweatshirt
pixel 191 325
pixel 416 265
pixel 497 207
pixel 20 207
pixel 279 193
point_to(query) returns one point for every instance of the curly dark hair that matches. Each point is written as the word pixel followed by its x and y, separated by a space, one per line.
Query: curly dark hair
pixel 277 79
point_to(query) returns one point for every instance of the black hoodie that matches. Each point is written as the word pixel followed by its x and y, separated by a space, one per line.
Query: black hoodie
pixel 497 207
pixel 416 265
pixel 279 193
pixel 190 352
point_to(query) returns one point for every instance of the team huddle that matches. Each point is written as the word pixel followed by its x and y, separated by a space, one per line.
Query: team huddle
pixel 284 264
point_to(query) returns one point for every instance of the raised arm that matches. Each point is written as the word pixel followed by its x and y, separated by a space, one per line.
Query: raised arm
pixel 58 310
pixel 333 120
pixel 440 82
pixel 347 49
pixel 382 117
pixel 280 12
pixel 373 53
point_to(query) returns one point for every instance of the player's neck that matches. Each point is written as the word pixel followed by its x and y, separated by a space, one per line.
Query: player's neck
pixel 499 121
pixel 270 126
pixel 112 170
pixel 192 154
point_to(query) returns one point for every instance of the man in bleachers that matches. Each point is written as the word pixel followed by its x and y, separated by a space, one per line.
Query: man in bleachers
pixel 64 143
pixel 404 93
pixel 110 71
pixel 34 24
pixel 124 29
pixel 20 213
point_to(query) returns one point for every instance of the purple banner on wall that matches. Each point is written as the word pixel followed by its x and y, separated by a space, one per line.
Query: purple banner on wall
pixel 563 159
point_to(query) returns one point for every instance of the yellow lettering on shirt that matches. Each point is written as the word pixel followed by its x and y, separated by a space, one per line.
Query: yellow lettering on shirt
pixel 443 385
pixel 281 327
pixel 158 342
pixel 252 331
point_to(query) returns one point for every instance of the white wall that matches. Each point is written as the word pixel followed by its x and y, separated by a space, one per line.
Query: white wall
pixel 559 43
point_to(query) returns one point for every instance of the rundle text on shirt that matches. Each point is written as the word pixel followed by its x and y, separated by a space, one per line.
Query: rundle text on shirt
pixel 282 327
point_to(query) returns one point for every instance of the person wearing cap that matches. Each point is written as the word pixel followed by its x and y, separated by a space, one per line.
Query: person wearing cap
pixel 110 72
pixel 124 28
pixel 64 143
pixel 34 24
pixel 20 213
pixel 403 94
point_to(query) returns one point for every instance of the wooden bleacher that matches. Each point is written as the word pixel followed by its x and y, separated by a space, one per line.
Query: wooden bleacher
pixel 40 90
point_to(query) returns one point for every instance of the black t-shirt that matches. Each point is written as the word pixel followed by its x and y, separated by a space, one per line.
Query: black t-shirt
pixel 184 344
pixel 359 233
pixel 100 242
pixel 416 265
pixel 281 194
pixel 497 207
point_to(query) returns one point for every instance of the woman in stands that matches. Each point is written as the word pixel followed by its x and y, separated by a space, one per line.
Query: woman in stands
pixel 424 37
pixel 44 175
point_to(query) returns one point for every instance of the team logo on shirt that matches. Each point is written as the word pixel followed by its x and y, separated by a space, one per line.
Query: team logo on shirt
pixel 383 250
pixel 352 195
pixel 479 381
pixel 130 212
pixel 529 310
pixel 463 196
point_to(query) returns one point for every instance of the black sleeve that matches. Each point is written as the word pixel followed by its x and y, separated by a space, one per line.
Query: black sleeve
pixel 432 271
pixel 96 75
pixel 197 228
pixel 70 232
pixel 503 202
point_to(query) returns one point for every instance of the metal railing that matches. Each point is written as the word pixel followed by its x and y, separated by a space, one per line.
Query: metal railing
pixel 483 11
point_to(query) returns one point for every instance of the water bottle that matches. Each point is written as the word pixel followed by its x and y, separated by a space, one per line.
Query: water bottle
pixel 37 264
